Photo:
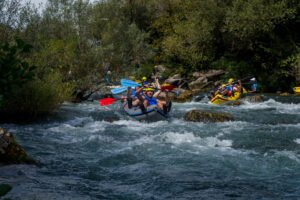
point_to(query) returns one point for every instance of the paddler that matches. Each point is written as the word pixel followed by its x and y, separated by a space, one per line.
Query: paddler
pixel 229 88
pixel 254 86
pixel 222 90
pixel 151 98
pixel 144 81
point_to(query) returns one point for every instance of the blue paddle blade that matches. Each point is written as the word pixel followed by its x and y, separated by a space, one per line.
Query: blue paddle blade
pixel 129 83
pixel 118 90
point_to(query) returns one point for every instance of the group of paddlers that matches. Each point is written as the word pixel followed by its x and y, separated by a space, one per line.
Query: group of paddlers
pixel 228 90
pixel 147 95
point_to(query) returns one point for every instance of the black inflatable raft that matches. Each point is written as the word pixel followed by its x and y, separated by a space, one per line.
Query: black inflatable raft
pixel 152 114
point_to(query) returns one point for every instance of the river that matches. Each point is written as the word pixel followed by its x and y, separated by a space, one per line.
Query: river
pixel 83 156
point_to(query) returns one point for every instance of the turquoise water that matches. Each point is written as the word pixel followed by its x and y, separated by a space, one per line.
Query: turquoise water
pixel 83 156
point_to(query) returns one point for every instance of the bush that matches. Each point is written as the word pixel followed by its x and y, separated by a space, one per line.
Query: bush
pixel 13 70
pixel 145 70
pixel 38 97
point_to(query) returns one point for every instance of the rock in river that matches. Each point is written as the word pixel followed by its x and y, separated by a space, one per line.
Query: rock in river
pixel 207 116
pixel 10 151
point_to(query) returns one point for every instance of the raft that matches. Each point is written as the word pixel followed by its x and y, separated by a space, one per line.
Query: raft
pixel 152 114
pixel 219 99
pixel 296 90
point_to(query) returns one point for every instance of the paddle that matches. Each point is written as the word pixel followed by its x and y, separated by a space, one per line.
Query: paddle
pixel 118 90
pixel 167 87
pixel 106 101
pixel 129 83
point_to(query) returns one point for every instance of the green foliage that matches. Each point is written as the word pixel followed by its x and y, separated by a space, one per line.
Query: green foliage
pixel 145 70
pixel 39 96
pixel 13 70
pixel 74 39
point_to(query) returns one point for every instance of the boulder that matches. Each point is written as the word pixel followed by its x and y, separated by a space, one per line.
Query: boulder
pixel 10 151
pixel 4 189
pixel 198 84
pixel 198 74
pixel 112 119
pixel 255 98
pixel 233 103
pixel 175 80
pixel 183 97
pixel 159 69
pixel 207 116
pixel 211 74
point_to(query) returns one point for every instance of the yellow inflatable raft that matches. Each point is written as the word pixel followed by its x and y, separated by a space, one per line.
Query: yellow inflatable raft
pixel 218 99
pixel 296 90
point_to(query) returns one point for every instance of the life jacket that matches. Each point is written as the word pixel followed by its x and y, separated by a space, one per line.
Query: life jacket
pixel 229 90
pixel 152 101
pixel 254 86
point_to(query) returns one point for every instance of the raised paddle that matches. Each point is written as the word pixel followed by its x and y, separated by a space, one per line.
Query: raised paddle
pixel 129 83
pixel 118 90
pixel 167 87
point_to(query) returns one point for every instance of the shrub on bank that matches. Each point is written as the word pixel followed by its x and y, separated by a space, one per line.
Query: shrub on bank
pixel 38 97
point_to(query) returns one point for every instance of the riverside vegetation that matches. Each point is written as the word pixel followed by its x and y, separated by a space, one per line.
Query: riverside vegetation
pixel 46 54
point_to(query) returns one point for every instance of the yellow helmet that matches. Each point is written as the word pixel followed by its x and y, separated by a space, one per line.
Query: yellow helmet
pixel 148 89
pixel 223 85
pixel 231 80
pixel 144 78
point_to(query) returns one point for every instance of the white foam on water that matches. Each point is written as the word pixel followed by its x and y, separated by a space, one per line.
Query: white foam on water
pixel 286 126
pixel 297 141
pixel 97 126
pixel 62 128
pixel 179 138
pixel 189 137
pixel 283 108
pixel 288 154
pixel 142 140
pixel 140 126
pixel 191 103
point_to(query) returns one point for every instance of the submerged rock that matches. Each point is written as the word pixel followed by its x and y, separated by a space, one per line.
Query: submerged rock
pixel 233 103
pixel 112 119
pixel 207 116
pixel 184 97
pixel 10 151
pixel 255 98
pixel 4 189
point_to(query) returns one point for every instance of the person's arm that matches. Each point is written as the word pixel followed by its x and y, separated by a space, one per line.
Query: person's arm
pixel 157 83
pixel 224 92
pixel 252 91
pixel 240 86
pixel 167 99
pixel 128 92
pixel 157 93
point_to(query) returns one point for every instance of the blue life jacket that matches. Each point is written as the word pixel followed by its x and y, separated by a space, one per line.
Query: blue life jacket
pixel 229 90
pixel 254 86
pixel 152 101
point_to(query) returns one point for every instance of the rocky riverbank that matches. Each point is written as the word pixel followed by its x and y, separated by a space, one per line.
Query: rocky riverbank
pixel 10 151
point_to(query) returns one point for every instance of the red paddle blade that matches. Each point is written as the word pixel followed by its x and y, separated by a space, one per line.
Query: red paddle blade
pixel 167 87
pixel 106 101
